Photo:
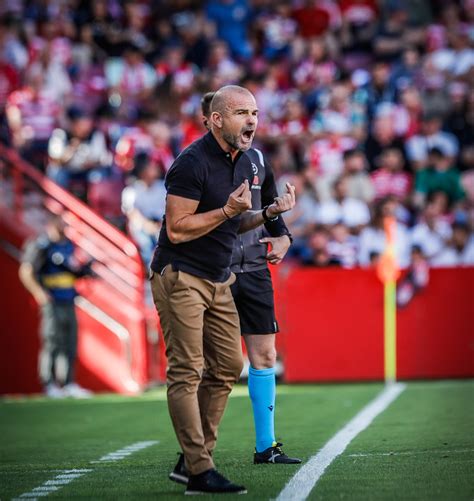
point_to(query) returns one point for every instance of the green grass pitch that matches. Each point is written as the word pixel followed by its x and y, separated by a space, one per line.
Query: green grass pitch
pixel 420 448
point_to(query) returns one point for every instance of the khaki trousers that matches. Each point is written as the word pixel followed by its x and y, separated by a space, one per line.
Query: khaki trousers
pixel 202 337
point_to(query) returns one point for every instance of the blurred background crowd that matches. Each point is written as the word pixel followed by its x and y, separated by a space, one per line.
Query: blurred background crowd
pixel 366 106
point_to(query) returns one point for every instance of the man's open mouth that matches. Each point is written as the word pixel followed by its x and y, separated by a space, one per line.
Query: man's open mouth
pixel 248 135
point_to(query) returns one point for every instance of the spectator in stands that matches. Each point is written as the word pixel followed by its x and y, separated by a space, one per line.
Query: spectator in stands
pixel 232 18
pixel 48 270
pixel 32 116
pixel 278 30
pixel 439 175
pixel 9 82
pixel 457 121
pixel 359 184
pixel 75 152
pixel 359 25
pixel 326 156
pixel 221 66
pixel 390 178
pixel 317 253
pixel 57 83
pixel 378 89
pixel 312 18
pixel 381 137
pixel 405 73
pixel 393 34
pixel 460 252
pixel 416 279
pixel 372 239
pixel 302 218
pixel 342 246
pixel 353 212
pixel 130 80
pixel 12 51
pixel 418 147
pixel 432 232
pixel 143 202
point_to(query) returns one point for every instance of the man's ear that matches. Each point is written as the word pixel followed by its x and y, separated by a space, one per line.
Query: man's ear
pixel 216 119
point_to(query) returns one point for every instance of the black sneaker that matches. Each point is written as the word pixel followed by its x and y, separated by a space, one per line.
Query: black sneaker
pixel 180 474
pixel 211 481
pixel 274 455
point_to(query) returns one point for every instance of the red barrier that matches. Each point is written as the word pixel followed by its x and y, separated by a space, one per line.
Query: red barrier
pixel 332 326
pixel 436 330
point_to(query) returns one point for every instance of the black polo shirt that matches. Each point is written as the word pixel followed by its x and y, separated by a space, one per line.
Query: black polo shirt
pixel 206 173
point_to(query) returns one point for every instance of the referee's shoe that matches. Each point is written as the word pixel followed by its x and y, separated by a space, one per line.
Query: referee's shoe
pixel 274 455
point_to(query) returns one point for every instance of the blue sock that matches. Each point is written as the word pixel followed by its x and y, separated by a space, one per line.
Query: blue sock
pixel 262 393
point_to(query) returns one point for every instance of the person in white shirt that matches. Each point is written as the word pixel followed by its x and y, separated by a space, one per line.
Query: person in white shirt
pixel 431 233
pixel 143 202
pixel 372 240
pixel 343 246
pixel 461 250
pixel 419 146
pixel 353 212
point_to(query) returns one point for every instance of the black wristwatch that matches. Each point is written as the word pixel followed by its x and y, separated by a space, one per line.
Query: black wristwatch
pixel 265 217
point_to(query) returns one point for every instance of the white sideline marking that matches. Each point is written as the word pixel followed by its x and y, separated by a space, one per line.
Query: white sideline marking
pixel 302 483
pixel 65 477
pixel 409 453
pixel 126 451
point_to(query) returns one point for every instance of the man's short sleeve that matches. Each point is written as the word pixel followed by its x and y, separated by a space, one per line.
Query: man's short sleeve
pixel 186 177
pixel 34 254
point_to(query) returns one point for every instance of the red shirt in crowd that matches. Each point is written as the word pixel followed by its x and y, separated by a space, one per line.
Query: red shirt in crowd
pixel 38 111
pixel 359 11
pixel 135 141
pixel 312 21
pixel 387 183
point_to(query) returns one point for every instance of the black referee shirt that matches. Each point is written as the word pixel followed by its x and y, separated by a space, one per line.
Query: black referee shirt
pixel 206 173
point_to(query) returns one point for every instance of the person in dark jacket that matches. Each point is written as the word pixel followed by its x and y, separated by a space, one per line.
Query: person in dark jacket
pixel 253 296
pixel 48 271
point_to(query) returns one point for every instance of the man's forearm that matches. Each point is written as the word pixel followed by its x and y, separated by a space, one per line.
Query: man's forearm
pixel 193 226
pixel 250 220
pixel 28 279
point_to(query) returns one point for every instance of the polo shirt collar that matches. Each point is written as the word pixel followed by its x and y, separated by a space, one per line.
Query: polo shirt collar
pixel 215 147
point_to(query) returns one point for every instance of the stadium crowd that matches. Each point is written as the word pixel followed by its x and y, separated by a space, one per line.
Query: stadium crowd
pixel 366 106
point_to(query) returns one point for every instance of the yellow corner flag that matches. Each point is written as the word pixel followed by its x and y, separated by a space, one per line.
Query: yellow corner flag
pixel 388 272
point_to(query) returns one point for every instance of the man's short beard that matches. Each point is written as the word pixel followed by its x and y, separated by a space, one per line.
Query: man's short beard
pixel 231 140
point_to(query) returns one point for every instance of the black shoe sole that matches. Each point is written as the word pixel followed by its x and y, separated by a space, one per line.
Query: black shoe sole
pixel 179 479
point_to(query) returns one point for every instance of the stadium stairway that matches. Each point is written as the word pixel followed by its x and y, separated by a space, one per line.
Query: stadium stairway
pixel 119 346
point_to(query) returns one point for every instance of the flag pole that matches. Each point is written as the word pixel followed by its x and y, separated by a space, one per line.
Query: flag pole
pixel 388 273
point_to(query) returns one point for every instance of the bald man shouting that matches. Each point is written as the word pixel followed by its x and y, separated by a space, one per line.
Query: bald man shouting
pixel 208 204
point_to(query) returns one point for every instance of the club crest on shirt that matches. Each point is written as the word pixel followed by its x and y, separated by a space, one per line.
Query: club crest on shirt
pixel 256 180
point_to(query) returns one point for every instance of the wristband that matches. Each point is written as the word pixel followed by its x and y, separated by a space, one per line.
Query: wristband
pixel 225 213
pixel 265 216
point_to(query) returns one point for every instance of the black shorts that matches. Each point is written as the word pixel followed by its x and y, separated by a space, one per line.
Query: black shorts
pixel 253 296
